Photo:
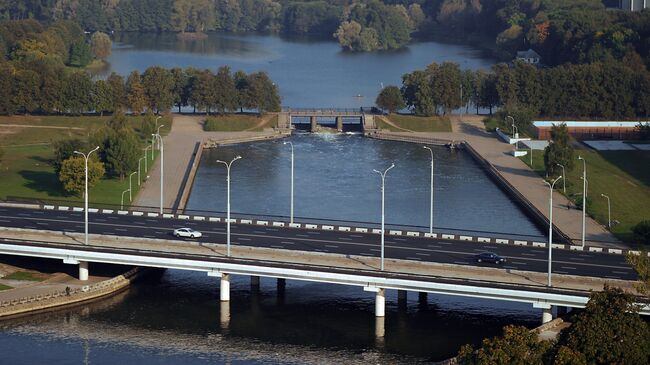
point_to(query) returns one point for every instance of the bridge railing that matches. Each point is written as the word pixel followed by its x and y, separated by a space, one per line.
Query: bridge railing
pixel 363 109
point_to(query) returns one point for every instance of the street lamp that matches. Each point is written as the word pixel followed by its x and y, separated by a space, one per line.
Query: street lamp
pixel 156 127
pixel 383 180
pixel 550 227
pixel 584 196
pixel 131 186
pixel 563 180
pixel 228 165
pixel 86 156
pixel 145 157
pixel 139 163
pixel 609 212
pixel 431 205
pixel 153 138
pixel 291 144
pixel 162 164
pixel 122 201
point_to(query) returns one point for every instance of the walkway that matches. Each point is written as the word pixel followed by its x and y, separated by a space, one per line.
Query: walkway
pixel 179 146
pixel 525 180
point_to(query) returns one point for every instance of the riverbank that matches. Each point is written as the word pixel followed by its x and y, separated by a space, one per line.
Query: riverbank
pixel 515 173
pixel 183 149
pixel 59 289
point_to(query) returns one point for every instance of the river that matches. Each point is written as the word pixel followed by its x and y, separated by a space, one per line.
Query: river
pixel 175 318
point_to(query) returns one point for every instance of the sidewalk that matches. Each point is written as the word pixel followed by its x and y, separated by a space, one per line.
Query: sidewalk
pixel 525 180
pixel 179 147
pixel 59 282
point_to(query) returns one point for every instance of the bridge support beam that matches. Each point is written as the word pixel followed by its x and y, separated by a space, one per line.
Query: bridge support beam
pixel 547 315
pixel 224 315
pixel 380 331
pixel 314 123
pixel 224 288
pixel 339 124
pixel 380 303
pixel 83 270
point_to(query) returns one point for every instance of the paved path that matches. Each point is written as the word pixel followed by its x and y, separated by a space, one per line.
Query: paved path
pixel 57 283
pixel 179 146
pixel 525 180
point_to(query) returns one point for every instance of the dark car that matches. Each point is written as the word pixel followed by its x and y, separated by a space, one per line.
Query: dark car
pixel 490 257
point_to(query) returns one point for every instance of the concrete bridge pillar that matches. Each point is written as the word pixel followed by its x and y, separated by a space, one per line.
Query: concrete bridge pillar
pixel 547 315
pixel 380 303
pixel 224 315
pixel 339 124
pixel 314 124
pixel 83 270
pixel 380 331
pixel 224 288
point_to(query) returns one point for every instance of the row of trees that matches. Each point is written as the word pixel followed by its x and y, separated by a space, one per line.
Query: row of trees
pixel 62 42
pixel 599 90
pixel 45 87
pixel 608 331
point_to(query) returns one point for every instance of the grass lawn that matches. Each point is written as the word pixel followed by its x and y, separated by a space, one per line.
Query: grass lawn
pixel 5 287
pixel 239 122
pixel 415 123
pixel 26 275
pixel 26 169
pixel 622 175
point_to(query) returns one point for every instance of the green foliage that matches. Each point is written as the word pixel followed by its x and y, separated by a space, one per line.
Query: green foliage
pixel 118 91
pixel 225 92
pixel 2 153
pixel 158 85
pixel 609 330
pixel 73 174
pixel 518 345
pixel 643 129
pixel 80 55
pixel 102 97
pixel 374 25
pixel 64 150
pixel 122 152
pixel 77 96
pixel 100 45
pixel 642 232
pixel 559 151
pixel 193 15
pixel 641 264
pixel 148 126
pixel 265 94
pixel 136 99
pixel 390 98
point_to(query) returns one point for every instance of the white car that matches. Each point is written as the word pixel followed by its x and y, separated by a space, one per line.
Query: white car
pixel 187 232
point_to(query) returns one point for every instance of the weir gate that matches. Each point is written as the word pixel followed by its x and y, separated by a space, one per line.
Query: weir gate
pixel 315 119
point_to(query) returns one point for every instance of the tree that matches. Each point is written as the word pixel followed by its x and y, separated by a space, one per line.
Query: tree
pixel 158 87
pixel 135 94
pixel 518 345
pixel 244 96
pixel 559 151
pixel 390 98
pixel 641 232
pixel 148 126
pixel 100 45
pixel 181 87
pixel 80 55
pixel 77 93
pixel 102 97
pixel 641 264
pixel 265 93
pixel 73 174
pixel 122 152
pixel 609 330
pixel 225 92
pixel 417 93
pixel 118 91
pixel 64 150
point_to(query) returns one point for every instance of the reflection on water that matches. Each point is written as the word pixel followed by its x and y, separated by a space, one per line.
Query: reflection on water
pixel 179 320
pixel 313 73
pixel 334 180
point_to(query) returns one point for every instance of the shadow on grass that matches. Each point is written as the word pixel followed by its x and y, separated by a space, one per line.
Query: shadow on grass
pixel 42 182
pixel 40 159
pixel 634 163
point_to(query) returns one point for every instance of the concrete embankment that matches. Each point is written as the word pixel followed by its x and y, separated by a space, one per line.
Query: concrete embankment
pixel 44 300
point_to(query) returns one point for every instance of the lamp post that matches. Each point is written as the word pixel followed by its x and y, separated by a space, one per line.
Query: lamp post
pixel 156 127
pixel 431 205
pixel 86 156
pixel 563 180
pixel 122 201
pixel 291 144
pixel 131 186
pixel 145 157
pixel 584 196
pixel 550 227
pixel 383 180
pixel 162 164
pixel 153 138
pixel 228 165
pixel 609 211
pixel 139 163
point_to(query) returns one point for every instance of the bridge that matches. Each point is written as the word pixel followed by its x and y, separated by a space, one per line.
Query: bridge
pixel 316 116
pixel 344 255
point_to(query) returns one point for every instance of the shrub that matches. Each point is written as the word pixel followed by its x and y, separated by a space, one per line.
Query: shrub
pixel 642 232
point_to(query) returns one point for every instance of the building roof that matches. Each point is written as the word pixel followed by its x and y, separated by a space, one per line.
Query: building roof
pixel 528 54
pixel 571 123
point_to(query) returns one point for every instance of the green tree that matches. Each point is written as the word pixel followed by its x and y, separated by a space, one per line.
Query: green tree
pixel 26 91
pixel 100 45
pixel 73 174
pixel 181 87
pixel 122 152
pixel 118 91
pixel 64 150
pixel 148 126
pixel 609 330
pixel 244 96
pixel 225 92
pixel 202 90
pixel 266 97
pixel 641 264
pixel 102 97
pixel 77 93
pixel 559 151
pixel 417 93
pixel 445 85
pixel 135 93
pixel 390 98
pixel 80 55
pixel 641 232
pixel 158 86
pixel 517 345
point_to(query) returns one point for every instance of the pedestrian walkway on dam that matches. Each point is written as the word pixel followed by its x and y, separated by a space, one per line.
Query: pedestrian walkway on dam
pixel 180 145
pixel 525 180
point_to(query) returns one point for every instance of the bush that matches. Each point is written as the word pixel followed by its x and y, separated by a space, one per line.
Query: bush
pixel 642 232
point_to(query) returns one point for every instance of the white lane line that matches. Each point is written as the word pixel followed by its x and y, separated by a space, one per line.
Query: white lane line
pixel 422 254
pixel 5 220
pixel 43 223
pixel 99 220
pixel 560 272
pixel 367 254
pixel 302 235
pixel 444 243
pixel 620 272
pixel 288 242
pixel 158 232
pixel 332 246
pixel 585 255
pixel 244 239
pixel 460 262
pixel 518 263
pixel 375 250
pixel 356 236
pixel 259 232
pixel 576 259
pixel 121 229
pixel 568 267
pixel 509 267
pixel 528 254
pixel 271 230
pixel 313 232
pixel 434 246
pixel 344 239
pixel 400 239
pixel 274 246
pixel 109 217
pixel 147 236
pixel 609 276
pixel 319 250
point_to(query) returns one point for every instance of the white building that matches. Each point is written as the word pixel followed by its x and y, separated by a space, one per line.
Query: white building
pixel 529 56
pixel 633 5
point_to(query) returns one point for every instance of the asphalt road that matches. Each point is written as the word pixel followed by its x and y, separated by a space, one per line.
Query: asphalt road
pixel 524 258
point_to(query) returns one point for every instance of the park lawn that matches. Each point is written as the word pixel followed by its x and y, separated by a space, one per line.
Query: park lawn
pixel 26 275
pixel 416 123
pixel 239 122
pixel 622 175
pixel 5 287
pixel 26 170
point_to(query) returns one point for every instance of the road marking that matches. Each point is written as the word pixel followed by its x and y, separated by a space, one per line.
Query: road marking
pixel 367 254
pixel 332 246
pixel 585 255
pixel 434 246
pixel 518 263
pixel 288 242
pixel 147 236
pixel 319 250
pixel 399 239
pixel 422 254
pixel 620 272
pixel 158 232
pixel 576 259
pixel 528 254
pixel 259 232
pixel 244 239
pixel 609 276
pixel 43 223
pixel 375 250
pixel 274 246
pixel 560 272
pixel 272 229
pixel 302 235
pixel 121 229
pixel 5 221
pixel 344 239
pixel 568 267
pixel 460 262
pixel 314 233
pixel 414 258
pixel 356 236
